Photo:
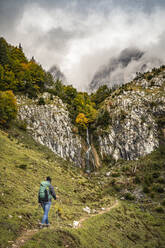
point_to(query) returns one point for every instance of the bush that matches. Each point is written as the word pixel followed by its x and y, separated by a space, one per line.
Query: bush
pixel 22 125
pixel 113 182
pixel 158 188
pixel 103 118
pixel 8 107
pixel 101 94
pixel 159 209
pixel 116 174
pixel 149 77
pixel 156 174
pixel 152 195
pixel 161 180
pixel 137 180
pixel 41 101
pixel 146 189
pixel 118 187
pixel 163 202
pixel 129 196
pixel 148 180
pixel 23 166
pixel 109 160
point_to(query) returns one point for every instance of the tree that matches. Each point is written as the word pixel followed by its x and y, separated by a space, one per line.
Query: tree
pixel 69 94
pixel 101 94
pixel 82 120
pixel 8 107
pixel 4 53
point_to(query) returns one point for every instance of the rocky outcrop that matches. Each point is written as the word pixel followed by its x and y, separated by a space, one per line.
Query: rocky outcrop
pixel 50 125
pixel 133 131
pixel 133 111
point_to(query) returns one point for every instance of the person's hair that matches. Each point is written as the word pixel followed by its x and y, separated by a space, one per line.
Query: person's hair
pixel 49 179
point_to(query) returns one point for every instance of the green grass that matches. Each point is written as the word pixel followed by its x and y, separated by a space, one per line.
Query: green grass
pixel 125 226
pixel 24 164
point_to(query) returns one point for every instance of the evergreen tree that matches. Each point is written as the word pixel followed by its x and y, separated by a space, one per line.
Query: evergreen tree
pixel 4 53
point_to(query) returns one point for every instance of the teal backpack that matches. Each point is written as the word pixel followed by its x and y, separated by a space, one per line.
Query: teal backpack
pixel 44 192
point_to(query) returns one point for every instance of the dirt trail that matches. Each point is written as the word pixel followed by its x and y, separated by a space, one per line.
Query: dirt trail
pixel 27 234
pixel 99 213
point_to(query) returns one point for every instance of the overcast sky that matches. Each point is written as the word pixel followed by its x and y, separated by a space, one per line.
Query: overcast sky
pixel 81 35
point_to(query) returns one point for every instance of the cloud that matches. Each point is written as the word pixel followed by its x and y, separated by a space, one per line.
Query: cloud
pixel 123 68
pixel 82 35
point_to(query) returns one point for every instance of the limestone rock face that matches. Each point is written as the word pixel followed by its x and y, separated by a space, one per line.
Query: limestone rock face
pixel 133 131
pixel 50 125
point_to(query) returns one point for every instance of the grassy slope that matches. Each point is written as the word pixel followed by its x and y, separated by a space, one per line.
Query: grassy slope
pixel 23 164
pixel 126 226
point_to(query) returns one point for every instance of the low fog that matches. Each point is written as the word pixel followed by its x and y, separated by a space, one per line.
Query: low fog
pixel 83 36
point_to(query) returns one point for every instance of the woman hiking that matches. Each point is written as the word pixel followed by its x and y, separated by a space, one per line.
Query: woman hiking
pixel 45 195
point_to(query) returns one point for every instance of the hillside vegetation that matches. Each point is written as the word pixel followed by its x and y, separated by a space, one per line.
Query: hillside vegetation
pixel 24 164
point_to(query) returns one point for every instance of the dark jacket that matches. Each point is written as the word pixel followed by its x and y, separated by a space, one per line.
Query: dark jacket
pixel 52 192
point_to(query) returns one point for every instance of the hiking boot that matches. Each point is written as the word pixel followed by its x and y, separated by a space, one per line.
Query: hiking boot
pixel 48 225
pixel 41 225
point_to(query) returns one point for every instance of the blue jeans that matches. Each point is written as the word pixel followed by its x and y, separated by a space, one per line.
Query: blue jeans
pixel 46 207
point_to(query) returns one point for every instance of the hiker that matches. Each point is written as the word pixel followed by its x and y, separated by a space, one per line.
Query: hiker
pixel 45 195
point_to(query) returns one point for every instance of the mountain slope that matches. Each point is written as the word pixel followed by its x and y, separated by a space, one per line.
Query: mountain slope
pixel 24 164
pixel 136 117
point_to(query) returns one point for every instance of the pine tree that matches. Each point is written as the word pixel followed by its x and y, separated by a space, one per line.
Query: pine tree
pixel 4 53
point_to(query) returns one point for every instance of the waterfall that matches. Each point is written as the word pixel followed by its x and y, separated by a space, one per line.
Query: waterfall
pixel 88 169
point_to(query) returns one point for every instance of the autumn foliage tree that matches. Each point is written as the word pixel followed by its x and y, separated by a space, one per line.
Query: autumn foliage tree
pixel 8 107
pixel 81 120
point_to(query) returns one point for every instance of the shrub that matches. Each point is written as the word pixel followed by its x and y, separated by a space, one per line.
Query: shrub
pixel 163 202
pixel 149 77
pixel 104 118
pixel 137 180
pixel 159 209
pixel 117 187
pixel 108 160
pixel 101 94
pixel 116 174
pixel 8 107
pixel 158 188
pixel 146 189
pixel 148 180
pixel 22 125
pixel 156 174
pixel 152 195
pixel 113 182
pixel 123 115
pixel 129 196
pixel 161 180
pixel 41 101
pixel 125 168
pixel 23 166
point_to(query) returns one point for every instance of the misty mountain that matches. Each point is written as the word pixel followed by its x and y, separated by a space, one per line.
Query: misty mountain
pixel 57 74
pixel 123 68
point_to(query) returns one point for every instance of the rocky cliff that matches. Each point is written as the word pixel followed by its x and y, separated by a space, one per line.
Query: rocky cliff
pixel 133 131
pixel 51 126
pixel 134 110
